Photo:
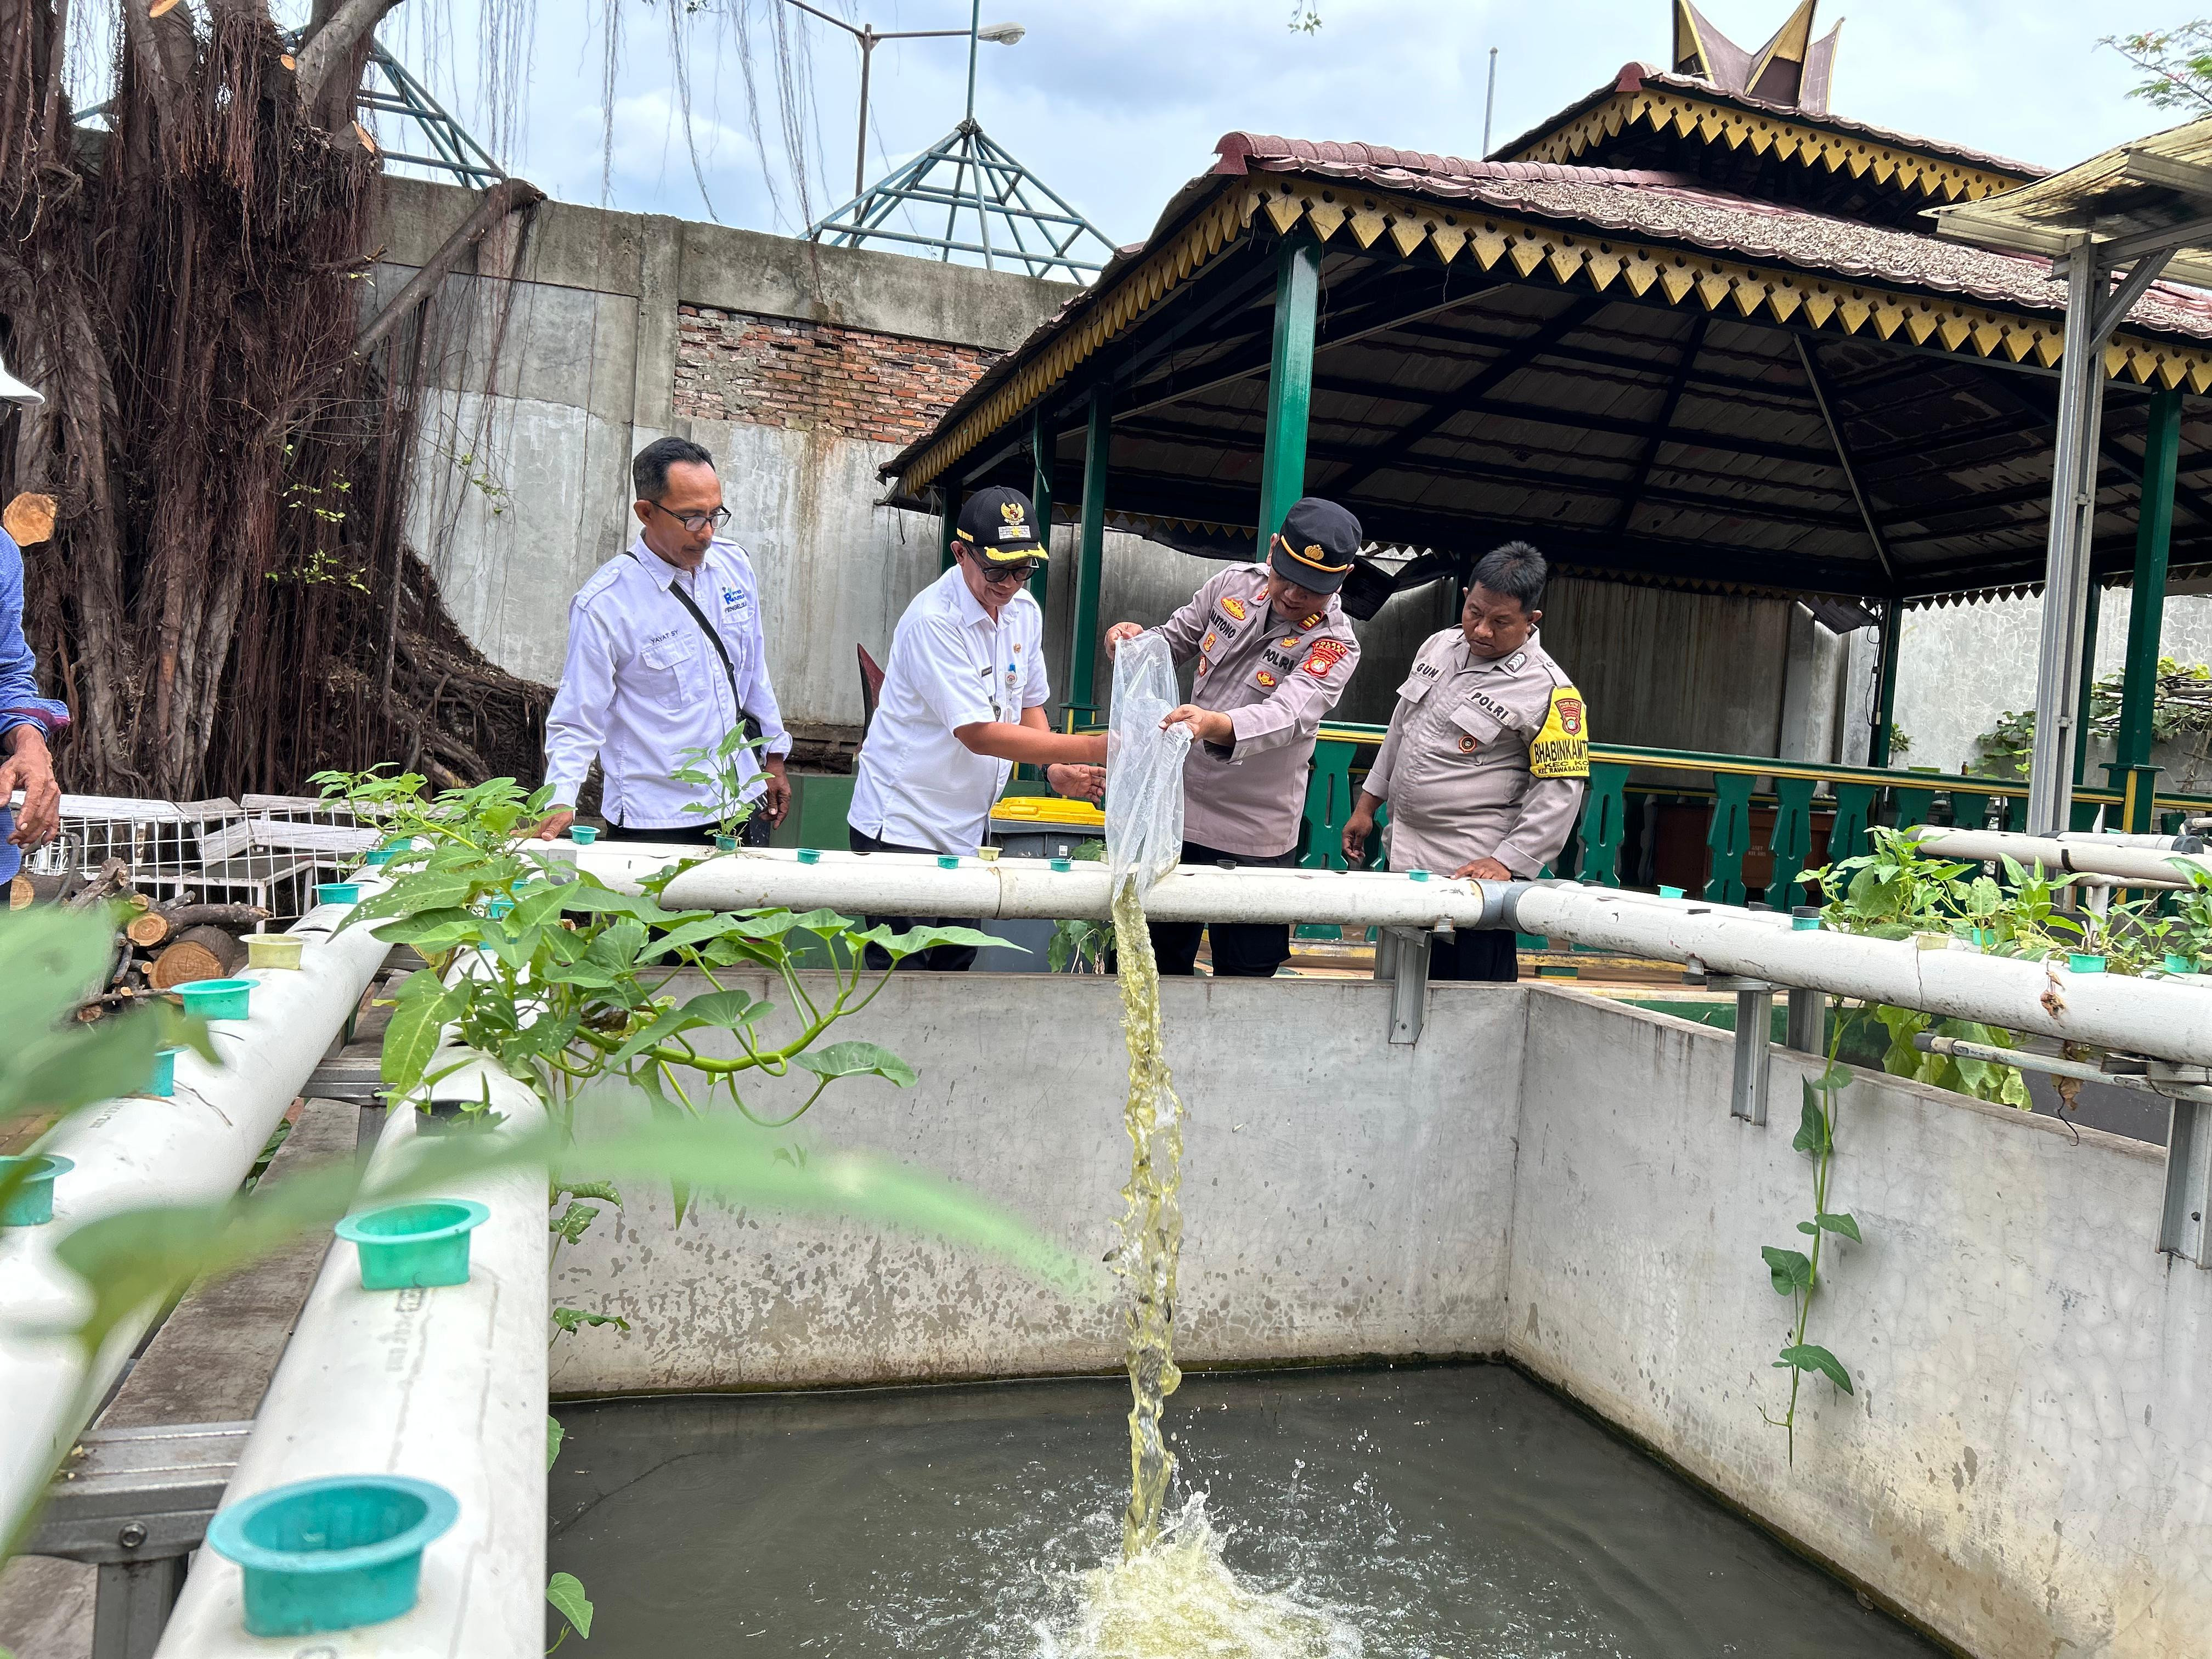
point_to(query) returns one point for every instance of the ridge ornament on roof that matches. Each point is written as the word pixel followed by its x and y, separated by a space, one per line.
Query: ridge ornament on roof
pixel 1792 70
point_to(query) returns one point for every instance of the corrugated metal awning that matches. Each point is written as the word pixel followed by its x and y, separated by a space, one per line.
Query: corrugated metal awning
pixel 2140 192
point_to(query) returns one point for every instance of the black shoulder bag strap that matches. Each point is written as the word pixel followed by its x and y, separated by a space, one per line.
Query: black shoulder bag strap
pixel 752 728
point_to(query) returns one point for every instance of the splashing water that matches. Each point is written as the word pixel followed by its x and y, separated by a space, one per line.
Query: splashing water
pixel 1151 1225
pixel 1177 1598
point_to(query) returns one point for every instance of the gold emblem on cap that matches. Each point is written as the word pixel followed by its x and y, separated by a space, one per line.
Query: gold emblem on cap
pixel 1010 511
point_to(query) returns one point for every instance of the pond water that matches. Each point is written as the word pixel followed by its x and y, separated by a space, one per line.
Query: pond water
pixel 1401 1511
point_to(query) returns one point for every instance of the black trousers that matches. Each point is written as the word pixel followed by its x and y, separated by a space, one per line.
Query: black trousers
pixel 753 832
pixel 1242 950
pixel 1488 953
pixel 939 958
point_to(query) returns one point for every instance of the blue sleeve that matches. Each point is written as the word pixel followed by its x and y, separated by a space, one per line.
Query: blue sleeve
pixel 19 701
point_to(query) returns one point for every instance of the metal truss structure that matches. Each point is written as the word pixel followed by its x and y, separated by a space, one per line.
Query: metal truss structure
pixel 1018 221
pixel 387 89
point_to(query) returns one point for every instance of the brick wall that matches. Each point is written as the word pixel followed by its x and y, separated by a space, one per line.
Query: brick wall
pixel 773 371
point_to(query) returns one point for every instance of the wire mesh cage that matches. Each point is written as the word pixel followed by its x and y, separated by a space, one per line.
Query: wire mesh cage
pixel 267 850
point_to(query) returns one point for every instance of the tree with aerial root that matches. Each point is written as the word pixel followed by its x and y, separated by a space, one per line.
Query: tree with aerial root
pixel 219 600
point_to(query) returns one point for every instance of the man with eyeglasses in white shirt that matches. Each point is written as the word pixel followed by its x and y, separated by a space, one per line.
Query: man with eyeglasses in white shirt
pixel 666 655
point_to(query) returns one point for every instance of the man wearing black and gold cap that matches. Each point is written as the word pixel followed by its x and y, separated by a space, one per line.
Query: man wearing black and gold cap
pixel 962 700
pixel 1275 652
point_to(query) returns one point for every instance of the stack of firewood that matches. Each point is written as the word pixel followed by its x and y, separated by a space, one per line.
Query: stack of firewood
pixel 157 946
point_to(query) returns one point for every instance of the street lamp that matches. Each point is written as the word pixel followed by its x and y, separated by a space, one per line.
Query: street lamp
pixel 998 35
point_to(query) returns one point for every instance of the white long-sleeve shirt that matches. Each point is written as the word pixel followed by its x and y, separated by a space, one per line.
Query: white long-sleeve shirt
pixel 641 683
pixel 952 664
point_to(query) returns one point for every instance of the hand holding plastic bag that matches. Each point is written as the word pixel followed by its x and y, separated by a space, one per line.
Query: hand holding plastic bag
pixel 1144 766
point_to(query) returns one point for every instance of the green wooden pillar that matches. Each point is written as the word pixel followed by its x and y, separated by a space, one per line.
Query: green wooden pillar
pixel 1290 383
pixel 2131 772
pixel 1885 715
pixel 951 522
pixel 2090 618
pixel 1090 560
pixel 1041 495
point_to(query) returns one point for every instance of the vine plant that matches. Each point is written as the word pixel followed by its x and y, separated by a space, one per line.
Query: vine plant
pixel 1796 1273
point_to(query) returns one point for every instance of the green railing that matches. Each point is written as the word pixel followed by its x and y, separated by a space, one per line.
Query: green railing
pixel 1740 788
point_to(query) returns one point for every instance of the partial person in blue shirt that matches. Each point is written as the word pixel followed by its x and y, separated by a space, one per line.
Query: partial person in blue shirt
pixel 26 720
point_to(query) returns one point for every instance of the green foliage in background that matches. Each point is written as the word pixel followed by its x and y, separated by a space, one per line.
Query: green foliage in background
pixel 2180 707
pixel 2176 62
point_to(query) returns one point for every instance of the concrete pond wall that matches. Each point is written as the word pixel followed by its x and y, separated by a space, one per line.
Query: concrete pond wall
pixel 2024 1468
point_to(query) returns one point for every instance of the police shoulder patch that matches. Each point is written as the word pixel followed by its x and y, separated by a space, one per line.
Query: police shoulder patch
pixel 1561 748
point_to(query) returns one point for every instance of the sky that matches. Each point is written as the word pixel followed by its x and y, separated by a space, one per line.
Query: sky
pixel 1115 103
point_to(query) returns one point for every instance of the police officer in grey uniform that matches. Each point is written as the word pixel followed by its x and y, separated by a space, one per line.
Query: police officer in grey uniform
pixel 1486 758
pixel 1275 652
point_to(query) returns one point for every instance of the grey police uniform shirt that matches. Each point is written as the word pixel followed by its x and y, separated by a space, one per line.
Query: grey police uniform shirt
pixel 1484 759
pixel 1274 676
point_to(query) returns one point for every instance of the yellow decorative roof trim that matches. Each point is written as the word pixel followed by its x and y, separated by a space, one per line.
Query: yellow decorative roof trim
pixel 1715 281
pixel 1807 145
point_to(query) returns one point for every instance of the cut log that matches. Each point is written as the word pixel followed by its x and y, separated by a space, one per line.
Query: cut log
pixel 238 918
pixel 25 890
pixel 148 930
pixel 202 952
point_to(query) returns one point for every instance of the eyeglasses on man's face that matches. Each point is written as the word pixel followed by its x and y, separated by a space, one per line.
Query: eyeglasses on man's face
pixel 1006 576
pixel 695 522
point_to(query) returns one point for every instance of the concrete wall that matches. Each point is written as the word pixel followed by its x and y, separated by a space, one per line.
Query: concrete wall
pixel 1342 1197
pixel 1962 665
pixel 2023 1467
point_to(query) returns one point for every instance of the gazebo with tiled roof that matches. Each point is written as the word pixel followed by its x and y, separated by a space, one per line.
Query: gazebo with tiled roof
pixel 1677 334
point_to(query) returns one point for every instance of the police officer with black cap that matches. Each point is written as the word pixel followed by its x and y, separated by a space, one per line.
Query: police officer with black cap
pixel 962 699
pixel 1275 652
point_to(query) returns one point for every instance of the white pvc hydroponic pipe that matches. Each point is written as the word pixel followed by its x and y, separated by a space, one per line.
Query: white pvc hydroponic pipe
pixel 139 1150
pixel 902 884
pixel 2135 865
pixel 446 1385
pixel 2152 1017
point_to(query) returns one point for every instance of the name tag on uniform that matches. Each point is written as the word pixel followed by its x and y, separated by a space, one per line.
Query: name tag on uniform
pixel 733 598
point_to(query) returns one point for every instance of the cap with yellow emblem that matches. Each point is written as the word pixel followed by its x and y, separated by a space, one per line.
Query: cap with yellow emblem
pixel 995 525
pixel 1314 546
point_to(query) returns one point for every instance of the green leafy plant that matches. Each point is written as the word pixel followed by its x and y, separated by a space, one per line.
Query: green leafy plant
pixel 1898 891
pixel 2192 910
pixel 570 983
pixel 717 770
pixel 566 1592
pixel 2002 751
pixel 1892 892
pixel 1795 1273
pixel 1078 945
